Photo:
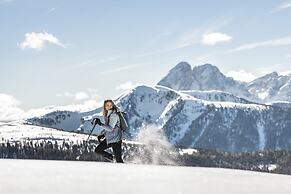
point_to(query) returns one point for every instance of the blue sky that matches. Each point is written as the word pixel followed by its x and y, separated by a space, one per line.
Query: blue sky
pixel 62 52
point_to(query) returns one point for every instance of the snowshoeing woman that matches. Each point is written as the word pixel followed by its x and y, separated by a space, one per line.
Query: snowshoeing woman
pixel 112 132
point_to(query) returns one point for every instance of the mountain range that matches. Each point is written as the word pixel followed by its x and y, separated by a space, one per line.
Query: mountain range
pixel 200 107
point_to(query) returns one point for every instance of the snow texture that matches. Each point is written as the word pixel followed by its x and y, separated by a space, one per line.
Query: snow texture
pixel 58 177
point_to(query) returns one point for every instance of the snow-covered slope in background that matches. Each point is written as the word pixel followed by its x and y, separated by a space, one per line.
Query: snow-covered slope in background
pixel 216 95
pixel 19 132
pixel 271 87
pixel 282 104
pixel 65 120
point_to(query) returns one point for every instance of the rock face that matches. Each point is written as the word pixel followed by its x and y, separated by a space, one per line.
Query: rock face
pixel 180 77
pixel 203 78
pixel 271 87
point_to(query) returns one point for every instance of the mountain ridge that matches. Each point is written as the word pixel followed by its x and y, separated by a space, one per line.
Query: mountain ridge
pixel 264 89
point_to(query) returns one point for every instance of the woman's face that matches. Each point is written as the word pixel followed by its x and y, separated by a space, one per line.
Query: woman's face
pixel 108 105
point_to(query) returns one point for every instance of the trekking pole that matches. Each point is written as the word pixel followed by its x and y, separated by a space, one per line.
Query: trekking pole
pixel 91 132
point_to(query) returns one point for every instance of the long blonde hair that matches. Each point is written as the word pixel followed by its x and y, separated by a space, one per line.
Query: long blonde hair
pixel 114 107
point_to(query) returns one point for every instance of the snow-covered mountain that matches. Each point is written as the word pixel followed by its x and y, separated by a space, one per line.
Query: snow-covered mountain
pixel 199 107
pixel 207 77
pixel 65 120
pixel 271 87
pixel 203 78
pixel 191 122
pixel 215 95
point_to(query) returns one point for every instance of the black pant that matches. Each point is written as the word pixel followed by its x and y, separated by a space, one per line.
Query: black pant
pixel 116 150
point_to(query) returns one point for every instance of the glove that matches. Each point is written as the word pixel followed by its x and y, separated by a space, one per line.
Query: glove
pixel 93 121
pixel 97 121
pixel 100 137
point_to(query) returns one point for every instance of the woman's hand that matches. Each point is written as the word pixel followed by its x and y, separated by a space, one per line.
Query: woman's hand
pixel 100 137
pixel 97 121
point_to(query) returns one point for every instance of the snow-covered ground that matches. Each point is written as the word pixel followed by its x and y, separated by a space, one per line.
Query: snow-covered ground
pixel 54 177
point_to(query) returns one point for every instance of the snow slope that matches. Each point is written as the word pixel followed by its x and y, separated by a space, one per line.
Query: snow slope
pixel 58 177
pixel 215 95
pixel 17 131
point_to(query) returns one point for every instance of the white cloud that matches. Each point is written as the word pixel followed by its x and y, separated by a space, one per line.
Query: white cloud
pixel 83 101
pixel 38 41
pixel 126 86
pixel 285 73
pixel 51 10
pixel 269 43
pixel 282 7
pixel 66 94
pixel 241 75
pixel 81 96
pixel 196 35
pixel 93 92
pixel 87 105
pixel 9 109
pixel 90 93
pixel 286 5
pixel 215 38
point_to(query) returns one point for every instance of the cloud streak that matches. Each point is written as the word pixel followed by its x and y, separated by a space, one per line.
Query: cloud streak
pixel 284 6
pixel 269 43
pixel 93 62
pixel 6 1
pixel 121 68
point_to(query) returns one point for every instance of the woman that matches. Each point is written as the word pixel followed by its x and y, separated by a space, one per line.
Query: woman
pixel 113 133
